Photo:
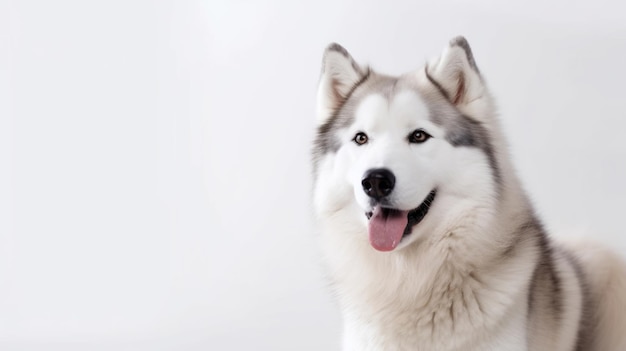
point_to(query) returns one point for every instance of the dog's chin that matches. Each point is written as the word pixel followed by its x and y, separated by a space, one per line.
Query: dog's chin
pixel 391 228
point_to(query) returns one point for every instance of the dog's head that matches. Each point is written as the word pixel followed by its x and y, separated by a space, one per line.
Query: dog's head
pixel 396 158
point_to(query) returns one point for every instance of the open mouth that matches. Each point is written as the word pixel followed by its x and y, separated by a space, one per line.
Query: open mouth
pixel 388 226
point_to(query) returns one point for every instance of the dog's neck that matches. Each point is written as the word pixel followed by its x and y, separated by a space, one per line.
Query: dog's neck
pixel 450 272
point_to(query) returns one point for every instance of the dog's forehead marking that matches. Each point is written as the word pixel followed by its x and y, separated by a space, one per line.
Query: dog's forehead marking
pixel 408 105
pixel 372 111
pixel 400 112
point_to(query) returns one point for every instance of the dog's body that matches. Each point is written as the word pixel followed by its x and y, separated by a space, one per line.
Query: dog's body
pixel 429 238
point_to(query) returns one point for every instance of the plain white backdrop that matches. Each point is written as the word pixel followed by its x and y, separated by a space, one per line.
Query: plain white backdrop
pixel 154 155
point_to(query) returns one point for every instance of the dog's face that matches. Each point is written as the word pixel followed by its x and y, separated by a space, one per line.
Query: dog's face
pixel 395 155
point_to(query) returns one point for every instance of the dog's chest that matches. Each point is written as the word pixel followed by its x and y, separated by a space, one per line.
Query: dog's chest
pixel 405 333
pixel 448 318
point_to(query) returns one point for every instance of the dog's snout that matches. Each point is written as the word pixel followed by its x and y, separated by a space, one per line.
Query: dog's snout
pixel 378 183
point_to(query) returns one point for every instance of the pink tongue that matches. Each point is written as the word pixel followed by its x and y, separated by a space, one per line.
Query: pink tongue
pixel 386 230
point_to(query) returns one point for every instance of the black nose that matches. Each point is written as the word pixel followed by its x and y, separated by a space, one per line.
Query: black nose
pixel 378 183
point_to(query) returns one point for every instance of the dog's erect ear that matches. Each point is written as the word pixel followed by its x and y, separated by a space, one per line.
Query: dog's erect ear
pixel 340 74
pixel 455 73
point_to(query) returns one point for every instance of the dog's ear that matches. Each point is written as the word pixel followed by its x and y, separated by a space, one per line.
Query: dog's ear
pixel 455 74
pixel 340 74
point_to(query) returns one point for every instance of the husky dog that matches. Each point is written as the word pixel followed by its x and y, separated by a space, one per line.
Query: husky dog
pixel 430 241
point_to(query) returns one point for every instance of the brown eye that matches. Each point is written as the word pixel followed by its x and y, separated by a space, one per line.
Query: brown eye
pixel 418 136
pixel 360 138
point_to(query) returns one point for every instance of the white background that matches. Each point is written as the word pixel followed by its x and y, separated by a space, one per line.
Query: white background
pixel 154 155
